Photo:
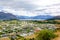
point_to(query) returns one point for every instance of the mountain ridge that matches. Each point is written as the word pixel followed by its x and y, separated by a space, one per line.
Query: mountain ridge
pixel 9 16
pixel 6 16
pixel 35 17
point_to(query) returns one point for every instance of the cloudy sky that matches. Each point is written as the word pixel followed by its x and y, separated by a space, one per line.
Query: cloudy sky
pixel 31 7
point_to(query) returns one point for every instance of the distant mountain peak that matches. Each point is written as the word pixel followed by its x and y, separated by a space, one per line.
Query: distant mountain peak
pixel 6 16
pixel 38 17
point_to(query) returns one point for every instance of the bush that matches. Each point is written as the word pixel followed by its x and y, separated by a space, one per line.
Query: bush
pixel 45 35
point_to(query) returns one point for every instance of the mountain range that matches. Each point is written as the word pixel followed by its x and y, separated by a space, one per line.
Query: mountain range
pixel 9 16
pixel 6 16
pixel 39 17
pixel 55 18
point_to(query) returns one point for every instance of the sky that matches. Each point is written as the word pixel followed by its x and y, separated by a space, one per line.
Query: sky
pixel 31 7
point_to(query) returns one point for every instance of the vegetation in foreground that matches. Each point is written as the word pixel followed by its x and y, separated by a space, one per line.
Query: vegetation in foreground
pixel 45 35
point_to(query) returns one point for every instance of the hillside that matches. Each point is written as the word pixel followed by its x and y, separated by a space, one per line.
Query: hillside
pixel 55 18
pixel 7 16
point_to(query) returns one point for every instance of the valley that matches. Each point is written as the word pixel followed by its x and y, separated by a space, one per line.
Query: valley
pixel 25 28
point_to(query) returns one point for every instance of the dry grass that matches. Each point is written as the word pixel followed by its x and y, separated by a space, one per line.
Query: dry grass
pixel 31 36
pixel 57 25
pixel 5 38
pixel 58 37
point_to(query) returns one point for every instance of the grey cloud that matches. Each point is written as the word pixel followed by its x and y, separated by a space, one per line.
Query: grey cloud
pixel 25 5
pixel 17 4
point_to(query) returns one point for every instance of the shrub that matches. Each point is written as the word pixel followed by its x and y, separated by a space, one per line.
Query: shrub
pixel 45 35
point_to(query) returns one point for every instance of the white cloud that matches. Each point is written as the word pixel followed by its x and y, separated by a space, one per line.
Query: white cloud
pixel 46 2
pixel 28 7
pixel 19 12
